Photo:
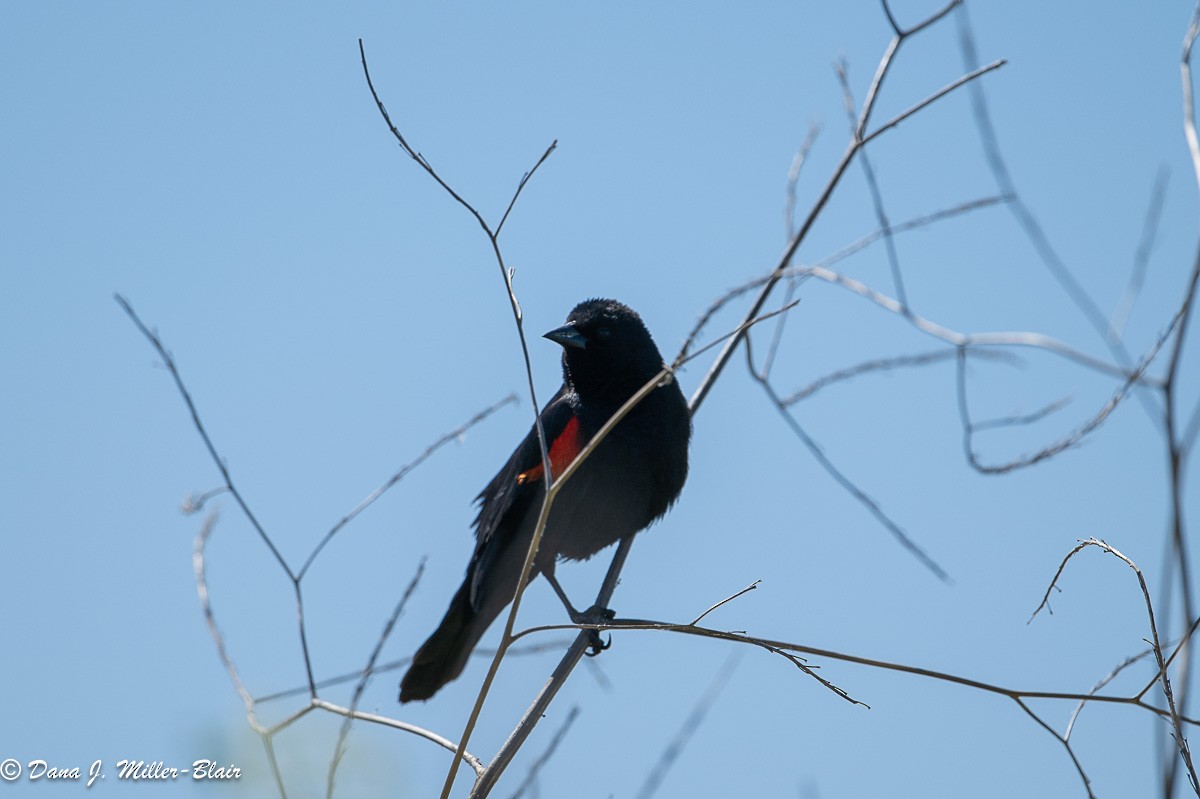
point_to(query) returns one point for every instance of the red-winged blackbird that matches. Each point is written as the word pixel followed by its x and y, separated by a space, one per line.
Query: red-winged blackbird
pixel 626 483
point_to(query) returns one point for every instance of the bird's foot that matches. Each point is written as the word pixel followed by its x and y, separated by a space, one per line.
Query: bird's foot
pixel 595 615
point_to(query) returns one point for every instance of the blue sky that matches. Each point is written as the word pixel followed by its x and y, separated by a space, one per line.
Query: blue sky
pixel 333 312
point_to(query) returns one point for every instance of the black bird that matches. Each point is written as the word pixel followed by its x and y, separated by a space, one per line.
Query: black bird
pixel 627 482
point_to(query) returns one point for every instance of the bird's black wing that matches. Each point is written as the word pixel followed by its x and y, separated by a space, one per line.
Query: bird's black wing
pixel 505 501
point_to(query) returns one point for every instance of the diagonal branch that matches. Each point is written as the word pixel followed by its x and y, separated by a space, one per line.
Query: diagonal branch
pixel 785 260
pixel 217 460
pixel 493 237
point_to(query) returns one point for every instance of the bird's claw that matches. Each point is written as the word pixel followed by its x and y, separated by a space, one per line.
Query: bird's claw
pixel 595 645
pixel 595 615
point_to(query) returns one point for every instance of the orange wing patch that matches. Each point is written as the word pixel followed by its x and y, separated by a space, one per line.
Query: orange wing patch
pixel 562 451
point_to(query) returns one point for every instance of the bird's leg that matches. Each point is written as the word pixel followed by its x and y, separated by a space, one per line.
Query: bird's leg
pixel 575 615
pixel 593 615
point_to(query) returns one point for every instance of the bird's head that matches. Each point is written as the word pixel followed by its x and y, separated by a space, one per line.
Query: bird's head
pixel 606 348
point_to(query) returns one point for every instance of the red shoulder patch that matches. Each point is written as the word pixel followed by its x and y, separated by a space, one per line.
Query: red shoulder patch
pixel 563 450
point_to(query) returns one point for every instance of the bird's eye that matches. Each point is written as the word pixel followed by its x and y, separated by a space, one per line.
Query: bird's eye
pixel 603 332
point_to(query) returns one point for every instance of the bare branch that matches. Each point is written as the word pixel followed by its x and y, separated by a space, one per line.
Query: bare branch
pixel 1087 783
pixel 1104 681
pixel 1067 441
pixel 404 726
pixel 1045 603
pixel 726 600
pixel 1141 258
pixel 1155 643
pixel 885 63
pixel 621 624
pixel 339 748
pixel 785 260
pixel 1019 419
pixel 849 486
pixel 692 723
pixel 217 460
pixel 931 99
pixel 557 679
pixel 454 435
pixel 545 756
pixel 886 365
pixel 912 224
pixel 194 502
pixel 412 153
pixel 793 179
pixel 493 237
pixel 1189 108
pixel 210 620
pixel 949 335
pixel 881 217
pixel 844 252
pixel 1188 438
pixel 887 12
pixel 1025 217
pixel 931 19
pixel 520 186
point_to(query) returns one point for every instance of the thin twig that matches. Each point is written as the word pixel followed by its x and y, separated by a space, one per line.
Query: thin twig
pixel 1102 683
pixel 795 277
pixel 793 179
pixel 1087 783
pixel 1066 442
pixel 1019 419
pixel 339 748
pixel 876 365
pixel 1156 645
pixel 217 460
pixel 913 224
pixel 198 567
pixel 785 260
pixel 1141 258
pixel 949 335
pixel 493 237
pixel 726 600
pixel 862 497
pixel 521 185
pixel 789 216
pixel 454 435
pixel 692 723
pixel 889 241
pixel 385 721
pixel 1025 217
pixel 885 63
pixel 931 99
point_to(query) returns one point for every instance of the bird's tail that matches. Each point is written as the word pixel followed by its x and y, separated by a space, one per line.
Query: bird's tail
pixel 444 654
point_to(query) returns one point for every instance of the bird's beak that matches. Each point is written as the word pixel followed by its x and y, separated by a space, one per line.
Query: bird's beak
pixel 567 336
